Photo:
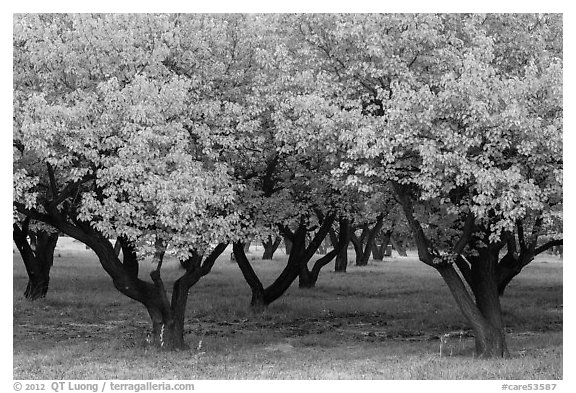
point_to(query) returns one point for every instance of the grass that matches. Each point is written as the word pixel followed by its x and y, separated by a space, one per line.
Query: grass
pixel 382 321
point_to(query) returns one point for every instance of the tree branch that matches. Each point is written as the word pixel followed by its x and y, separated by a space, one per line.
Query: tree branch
pixel 286 232
pixel 53 185
pixel 521 239
pixel 510 243
pixel 535 233
pixel 419 236
pixel 548 245
pixel 208 263
pixel 33 214
pixel 68 190
pixel 464 267
pixel 466 234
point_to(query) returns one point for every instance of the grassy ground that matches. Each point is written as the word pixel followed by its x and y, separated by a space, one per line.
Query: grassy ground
pixel 382 321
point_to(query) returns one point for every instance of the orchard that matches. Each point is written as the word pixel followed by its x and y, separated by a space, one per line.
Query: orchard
pixel 154 137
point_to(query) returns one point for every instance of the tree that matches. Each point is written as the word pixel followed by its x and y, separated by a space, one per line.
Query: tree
pixel 363 243
pixel 395 233
pixel 287 185
pixel 465 126
pixel 38 256
pixel 110 143
pixel 271 244
pixel 341 238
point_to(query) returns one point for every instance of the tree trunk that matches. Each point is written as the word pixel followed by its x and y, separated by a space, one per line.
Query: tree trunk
pixel 363 244
pixel 164 334
pixel 125 278
pixel 262 297
pixel 167 319
pixel 489 339
pixel 398 246
pixel 298 259
pixel 197 268
pixel 378 251
pixel 342 257
pixel 129 257
pixel 250 276
pixel 38 261
pixel 484 315
pixel 305 279
pixel 270 247
pixel 388 251
pixel 357 243
pixel 485 288
pixel 287 245
pixel 308 278
pixel 508 268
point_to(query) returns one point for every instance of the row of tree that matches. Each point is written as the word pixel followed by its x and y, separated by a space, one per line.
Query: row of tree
pixel 183 134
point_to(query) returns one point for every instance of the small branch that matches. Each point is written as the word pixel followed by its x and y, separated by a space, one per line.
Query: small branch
pixel 286 232
pixel 413 60
pixel 33 214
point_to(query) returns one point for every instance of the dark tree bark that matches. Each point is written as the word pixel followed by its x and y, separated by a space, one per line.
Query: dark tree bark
pixel 262 297
pixel 363 244
pixel 490 339
pixel 519 256
pixel 129 258
pixel 379 250
pixel 323 249
pixel 270 246
pixel 117 247
pixel 196 270
pixel 341 240
pixel 484 313
pixel 307 278
pixel 287 245
pixel 33 240
pixel 250 276
pixel 38 260
pixel 297 261
pixel 357 244
pixel 485 289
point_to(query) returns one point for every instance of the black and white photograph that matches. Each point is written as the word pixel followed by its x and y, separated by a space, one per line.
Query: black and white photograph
pixel 286 196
